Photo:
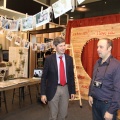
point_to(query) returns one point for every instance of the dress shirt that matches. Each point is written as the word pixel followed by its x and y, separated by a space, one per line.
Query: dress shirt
pixel 108 73
pixel 58 63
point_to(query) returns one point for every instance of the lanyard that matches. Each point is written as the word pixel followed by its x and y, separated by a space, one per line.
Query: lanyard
pixel 104 72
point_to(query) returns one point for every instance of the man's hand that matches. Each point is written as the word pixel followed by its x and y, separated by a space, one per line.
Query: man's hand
pixel 108 116
pixel 90 100
pixel 44 99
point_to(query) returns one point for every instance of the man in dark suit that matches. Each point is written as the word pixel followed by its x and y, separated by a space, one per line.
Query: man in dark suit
pixel 58 85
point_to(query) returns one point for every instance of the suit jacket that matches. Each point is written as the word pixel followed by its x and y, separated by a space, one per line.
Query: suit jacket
pixel 49 79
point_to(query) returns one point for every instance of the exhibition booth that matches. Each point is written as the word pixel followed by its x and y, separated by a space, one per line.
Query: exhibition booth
pixel 83 35
pixel 23 48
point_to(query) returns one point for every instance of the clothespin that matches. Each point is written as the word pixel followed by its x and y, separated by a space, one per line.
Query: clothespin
pixel 26 15
pixel 13 18
pixel 76 3
pixel 5 17
pixel 73 5
pixel 41 8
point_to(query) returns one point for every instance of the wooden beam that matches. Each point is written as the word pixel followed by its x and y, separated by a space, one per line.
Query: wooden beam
pixel 50 30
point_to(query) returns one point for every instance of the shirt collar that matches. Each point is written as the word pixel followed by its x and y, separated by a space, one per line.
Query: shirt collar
pixel 57 55
pixel 107 61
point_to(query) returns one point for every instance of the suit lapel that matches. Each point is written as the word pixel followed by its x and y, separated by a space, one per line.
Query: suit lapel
pixel 55 62
pixel 67 62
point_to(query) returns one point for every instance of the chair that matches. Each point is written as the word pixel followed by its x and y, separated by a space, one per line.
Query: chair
pixel 2 73
pixel 2 76
pixel 21 94
pixel 4 99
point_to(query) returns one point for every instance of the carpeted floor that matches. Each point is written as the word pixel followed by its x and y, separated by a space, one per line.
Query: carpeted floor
pixel 38 111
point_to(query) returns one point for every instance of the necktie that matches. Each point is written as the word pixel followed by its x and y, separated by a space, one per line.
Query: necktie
pixel 62 72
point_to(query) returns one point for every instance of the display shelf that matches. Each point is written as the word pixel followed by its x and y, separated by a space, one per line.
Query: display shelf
pixel 11 13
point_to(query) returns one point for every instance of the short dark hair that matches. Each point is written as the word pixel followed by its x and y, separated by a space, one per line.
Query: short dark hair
pixel 47 53
pixel 109 42
pixel 58 40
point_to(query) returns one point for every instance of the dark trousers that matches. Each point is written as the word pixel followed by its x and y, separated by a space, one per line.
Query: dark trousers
pixel 99 108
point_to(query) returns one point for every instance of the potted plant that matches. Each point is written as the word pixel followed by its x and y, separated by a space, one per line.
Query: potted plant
pixel 9 64
pixel 17 69
pixel 21 52
pixel 14 62
pixel 23 62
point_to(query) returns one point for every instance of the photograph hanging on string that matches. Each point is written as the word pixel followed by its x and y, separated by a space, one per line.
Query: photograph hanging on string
pixel 60 7
pixel 42 17
pixel 2 31
pixel 9 36
pixel 18 40
pixel 26 45
pixel 51 16
pixel 47 46
pixel 7 24
pixel 27 23
pixel 4 22
pixel 42 47
pixel 14 25
pixel 34 47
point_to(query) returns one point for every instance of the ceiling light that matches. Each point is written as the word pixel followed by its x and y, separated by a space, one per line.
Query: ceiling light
pixel 82 9
pixel 83 6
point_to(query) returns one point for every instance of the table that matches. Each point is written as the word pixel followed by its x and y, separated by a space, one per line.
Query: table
pixel 17 83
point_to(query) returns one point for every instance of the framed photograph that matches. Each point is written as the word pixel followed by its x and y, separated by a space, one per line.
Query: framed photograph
pixel 37 73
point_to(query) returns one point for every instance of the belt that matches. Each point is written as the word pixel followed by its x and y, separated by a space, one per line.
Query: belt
pixel 62 85
pixel 104 101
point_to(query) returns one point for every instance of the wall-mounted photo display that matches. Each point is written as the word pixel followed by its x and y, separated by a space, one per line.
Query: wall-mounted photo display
pixel 9 35
pixel 27 23
pixel 14 25
pixel 26 44
pixel 61 6
pixel 43 17
pixel 18 40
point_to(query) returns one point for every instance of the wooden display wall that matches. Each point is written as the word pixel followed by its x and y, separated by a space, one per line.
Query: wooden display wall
pixel 79 37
